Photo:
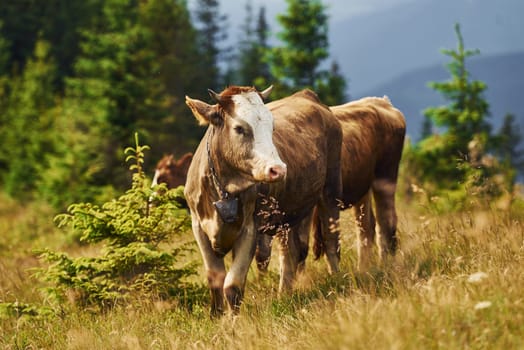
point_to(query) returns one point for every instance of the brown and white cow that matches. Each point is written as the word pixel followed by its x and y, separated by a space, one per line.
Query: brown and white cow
pixel 290 150
pixel 373 139
pixel 171 171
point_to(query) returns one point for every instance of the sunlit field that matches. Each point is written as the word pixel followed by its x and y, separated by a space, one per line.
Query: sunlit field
pixel 457 282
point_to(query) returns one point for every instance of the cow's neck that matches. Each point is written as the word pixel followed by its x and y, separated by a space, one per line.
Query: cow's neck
pixel 222 193
pixel 227 181
pixel 227 187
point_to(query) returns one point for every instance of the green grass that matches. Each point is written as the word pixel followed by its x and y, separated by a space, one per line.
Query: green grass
pixel 426 298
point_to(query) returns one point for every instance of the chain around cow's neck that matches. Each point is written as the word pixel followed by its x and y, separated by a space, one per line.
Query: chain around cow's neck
pixel 223 194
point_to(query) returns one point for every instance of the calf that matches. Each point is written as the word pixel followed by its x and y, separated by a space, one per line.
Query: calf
pixel 172 172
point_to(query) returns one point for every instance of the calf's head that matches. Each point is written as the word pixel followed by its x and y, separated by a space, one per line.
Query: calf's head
pixel 241 138
pixel 171 171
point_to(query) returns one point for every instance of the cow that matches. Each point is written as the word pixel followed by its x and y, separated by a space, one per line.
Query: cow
pixel 373 139
pixel 172 172
pixel 288 150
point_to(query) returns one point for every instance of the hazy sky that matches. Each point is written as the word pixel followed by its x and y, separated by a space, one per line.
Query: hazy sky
pixel 337 10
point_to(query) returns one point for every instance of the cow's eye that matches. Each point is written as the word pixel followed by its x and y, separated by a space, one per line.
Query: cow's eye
pixel 239 130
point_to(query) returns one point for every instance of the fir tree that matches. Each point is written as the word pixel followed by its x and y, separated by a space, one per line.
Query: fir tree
pixel 116 89
pixel 27 131
pixel 507 143
pixel 4 92
pixel 211 33
pixel 463 120
pixel 262 37
pixel 295 65
pixel 304 35
pixel 427 128
pixel 332 88
pixel 58 22
pixel 141 255
pixel 173 41
pixel 253 70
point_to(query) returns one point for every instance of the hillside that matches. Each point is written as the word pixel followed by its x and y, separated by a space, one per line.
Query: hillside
pixel 503 75
pixel 379 46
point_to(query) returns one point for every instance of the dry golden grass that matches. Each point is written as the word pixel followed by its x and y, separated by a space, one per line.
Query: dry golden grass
pixel 456 283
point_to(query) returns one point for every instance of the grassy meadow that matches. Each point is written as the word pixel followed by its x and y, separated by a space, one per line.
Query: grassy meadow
pixel 457 282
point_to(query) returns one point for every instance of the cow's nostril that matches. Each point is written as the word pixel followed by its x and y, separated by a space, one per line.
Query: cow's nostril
pixel 276 172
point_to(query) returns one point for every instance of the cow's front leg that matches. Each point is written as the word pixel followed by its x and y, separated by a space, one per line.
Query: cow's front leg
pixel 243 253
pixel 215 270
pixel 263 252
pixel 215 280
pixel 293 249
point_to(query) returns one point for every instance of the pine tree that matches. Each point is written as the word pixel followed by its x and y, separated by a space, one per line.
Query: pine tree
pixel 4 52
pixel 4 92
pixel 426 129
pixel 141 255
pixel 262 37
pixel 211 33
pixel 332 89
pixel 507 143
pixel 27 131
pixel 116 89
pixel 58 22
pixel 253 70
pixel 173 41
pixel 296 64
pixel 463 120
pixel 304 35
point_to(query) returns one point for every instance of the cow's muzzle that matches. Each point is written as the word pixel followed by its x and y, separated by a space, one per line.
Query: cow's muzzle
pixel 275 173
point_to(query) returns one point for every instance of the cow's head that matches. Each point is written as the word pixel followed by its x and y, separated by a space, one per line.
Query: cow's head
pixel 171 171
pixel 242 133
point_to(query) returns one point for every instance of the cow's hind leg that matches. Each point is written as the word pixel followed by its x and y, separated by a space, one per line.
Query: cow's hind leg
pixel 303 241
pixel 263 252
pixel 384 195
pixel 291 253
pixel 366 231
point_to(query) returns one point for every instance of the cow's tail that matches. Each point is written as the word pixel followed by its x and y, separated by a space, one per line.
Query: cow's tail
pixel 318 242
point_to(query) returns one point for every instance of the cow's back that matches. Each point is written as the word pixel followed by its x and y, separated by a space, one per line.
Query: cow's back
pixel 373 138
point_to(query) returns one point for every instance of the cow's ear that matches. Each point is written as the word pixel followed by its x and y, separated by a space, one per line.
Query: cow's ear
pixel 203 112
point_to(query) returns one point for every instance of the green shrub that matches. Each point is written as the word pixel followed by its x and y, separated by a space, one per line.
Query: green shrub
pixel 134 234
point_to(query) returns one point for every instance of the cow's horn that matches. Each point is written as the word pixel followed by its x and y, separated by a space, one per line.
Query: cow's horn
pixel 215 96
pixel 266 92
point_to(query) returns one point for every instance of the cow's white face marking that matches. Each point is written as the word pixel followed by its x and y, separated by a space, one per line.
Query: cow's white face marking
pixel 250 109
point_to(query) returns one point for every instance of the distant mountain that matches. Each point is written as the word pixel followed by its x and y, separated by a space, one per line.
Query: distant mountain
pixel 378 46
pixel 503 74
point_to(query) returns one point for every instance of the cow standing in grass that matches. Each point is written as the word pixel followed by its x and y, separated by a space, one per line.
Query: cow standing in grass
pixel 373 138
pixel 289 150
